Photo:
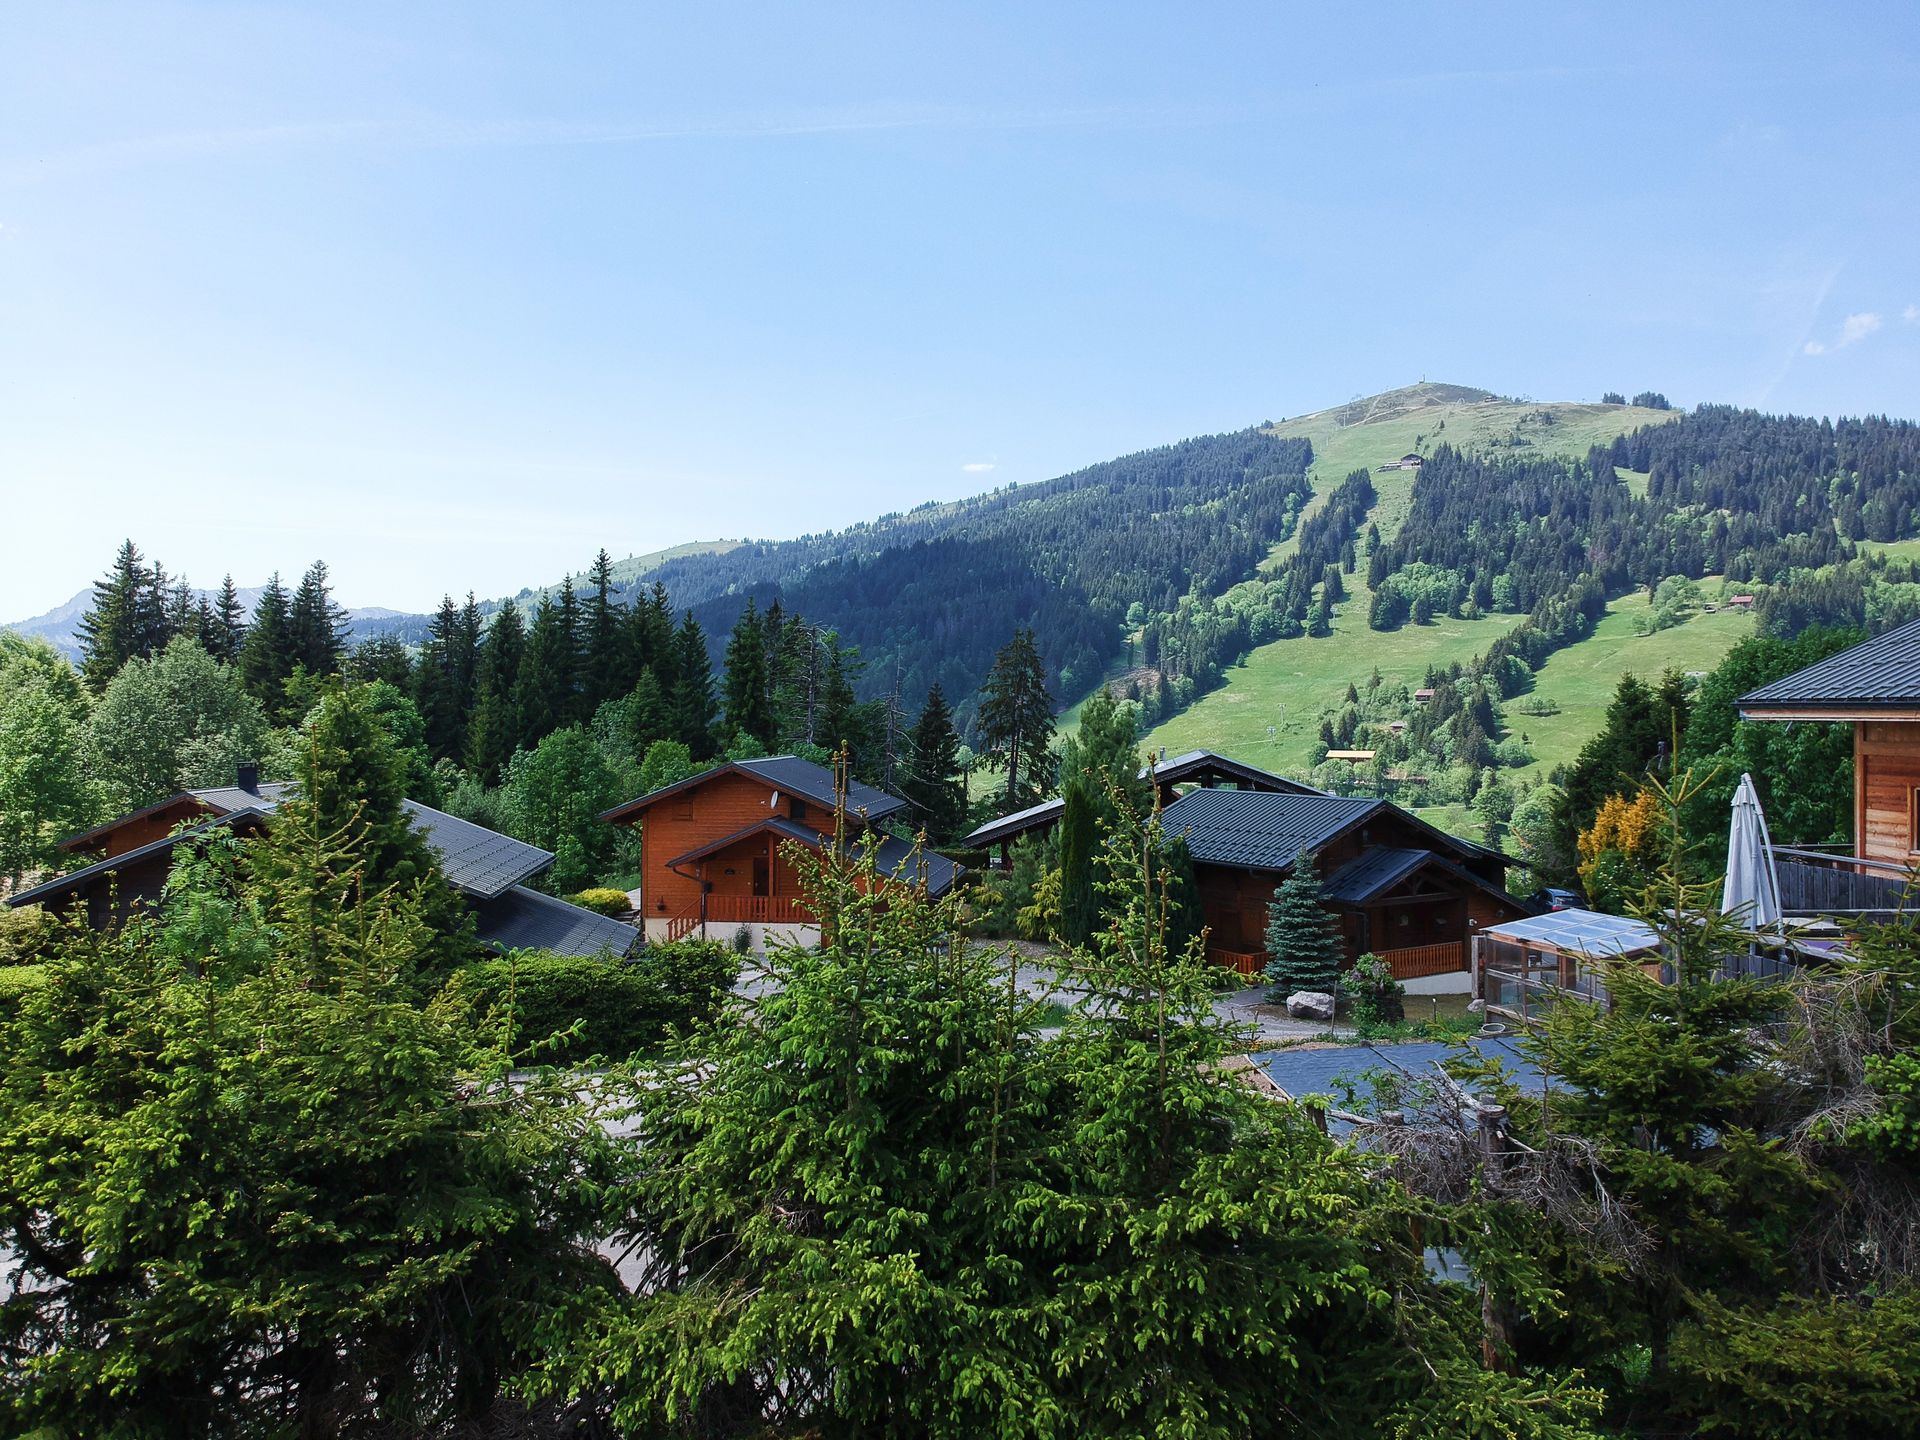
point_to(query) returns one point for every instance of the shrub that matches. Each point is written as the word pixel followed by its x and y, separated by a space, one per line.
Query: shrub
pixel 17 980
pixel 600 1005
pixel 603 900
pixel 24 935
pixel 743 941
pixel 1378 998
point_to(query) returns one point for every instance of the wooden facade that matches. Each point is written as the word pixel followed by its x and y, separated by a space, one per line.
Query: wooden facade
pixel 748 881
pixel 1886 790
pixel 1420 925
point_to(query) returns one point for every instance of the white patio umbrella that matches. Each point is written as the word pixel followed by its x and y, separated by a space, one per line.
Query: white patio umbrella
pixel 1751 891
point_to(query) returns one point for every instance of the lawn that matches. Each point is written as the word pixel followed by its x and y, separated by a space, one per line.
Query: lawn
pixel 1581 678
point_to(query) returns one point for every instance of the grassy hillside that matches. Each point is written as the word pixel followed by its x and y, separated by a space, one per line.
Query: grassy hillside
pixel 1268 711
pixel 1581 678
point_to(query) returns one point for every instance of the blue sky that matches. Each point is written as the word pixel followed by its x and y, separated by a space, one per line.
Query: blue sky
pixel 450 295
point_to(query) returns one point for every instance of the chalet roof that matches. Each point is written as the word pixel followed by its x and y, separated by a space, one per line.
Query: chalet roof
pixel 1372 872
pixel 1260 830
pixel 1884 671
pixel 523 919
pixel 893 857
pixel 84 838
pixel 1175 770
pixel 788 774
pixel 80 879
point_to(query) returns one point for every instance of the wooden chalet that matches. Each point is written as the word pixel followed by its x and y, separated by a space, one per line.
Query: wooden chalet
pixel 716 848
pixel 1409 893
pixel 132 855
pixel 1171 779
pixel 1875 688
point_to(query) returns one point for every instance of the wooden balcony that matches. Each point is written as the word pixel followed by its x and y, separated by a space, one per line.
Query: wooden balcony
pixel 1828 882
pixel 1417 961
pixel 739 910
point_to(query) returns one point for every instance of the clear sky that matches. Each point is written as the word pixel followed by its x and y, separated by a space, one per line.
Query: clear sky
pixel 452 294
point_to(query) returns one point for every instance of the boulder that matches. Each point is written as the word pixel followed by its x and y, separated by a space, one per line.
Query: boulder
pixel 1310 1005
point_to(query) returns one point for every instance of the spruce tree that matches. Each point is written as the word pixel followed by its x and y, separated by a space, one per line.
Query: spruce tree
pixel 747 708
pixel 1104 755
pixel 317 628
pixel 570 698
pixel 444 678
pixel 229 627
pixel 1079 910
pixel 266 656
pixel 110 631
pixel 543 692
pixel 350 789
pixel 493 734
pixel 932 780
pixel 607 665
pixel 1304 948
pixel 1016 720
pixel 838 721
pixel 692 697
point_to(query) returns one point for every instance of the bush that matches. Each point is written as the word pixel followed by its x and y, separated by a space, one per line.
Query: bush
pixel 17 980
pixel 620 1007
pixel 25 935
pixel 603 900
pixel 1378 998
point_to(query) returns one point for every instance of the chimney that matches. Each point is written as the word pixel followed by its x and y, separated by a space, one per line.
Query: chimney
pixel 249 777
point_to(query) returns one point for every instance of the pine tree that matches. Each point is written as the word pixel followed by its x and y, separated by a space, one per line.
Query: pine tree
pixel 932 781
pixel 493 734
pixel 1079 910
pixel 570 696
pixel 608 668
pixel 648 638
pixel 266 656
pixel 1016 720
pixel 110 631
pixel 351 789
pixel 546 693
pixel 1186 916
pixel 228 630
pixel 1304 947
pixel 317 628
pixel 838 721
pixel 692 697
pixel 747 708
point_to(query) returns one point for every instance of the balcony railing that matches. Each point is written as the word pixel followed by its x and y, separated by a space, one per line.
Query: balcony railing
pixel 1825 882
pixel 1416 961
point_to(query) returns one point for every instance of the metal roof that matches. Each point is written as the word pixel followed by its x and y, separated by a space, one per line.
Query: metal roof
pixel 892 856
pixel 523 919
pixel 1034 817
pixel 1581 932
pixel 1260 829
pixel 1881 671
pixel 1209 762
pixel 475 860
pixel 1373 870
pixel 788 774
pixel 87 874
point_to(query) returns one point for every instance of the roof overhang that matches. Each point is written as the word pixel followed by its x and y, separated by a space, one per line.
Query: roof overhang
pixel 773 825
pixel 99 832
pixel 1838 712
pixel 81 879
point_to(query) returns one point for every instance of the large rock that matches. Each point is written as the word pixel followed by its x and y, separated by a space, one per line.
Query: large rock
pixel 1310 1005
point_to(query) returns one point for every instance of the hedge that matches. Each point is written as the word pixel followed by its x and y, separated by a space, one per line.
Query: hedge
pixel 603 900
pixel 622 1007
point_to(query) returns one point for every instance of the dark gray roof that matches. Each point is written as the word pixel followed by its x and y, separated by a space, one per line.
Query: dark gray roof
pixel 893 856
pixel 1260 829
pixel 523 919
pixel 475 860
pixel 1372 871
pixel 1881 671
pixel 794 776
pixel 80 879
pixel 1210 764
pixel 1034 817
pixel 787 774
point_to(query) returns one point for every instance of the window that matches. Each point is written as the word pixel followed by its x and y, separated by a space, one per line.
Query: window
pixel 796 809
pixel 1913 820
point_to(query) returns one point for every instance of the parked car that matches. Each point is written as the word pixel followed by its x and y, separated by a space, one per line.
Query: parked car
pixel 1552 897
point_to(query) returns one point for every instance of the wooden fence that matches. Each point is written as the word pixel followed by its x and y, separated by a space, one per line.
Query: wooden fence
pixel 1420 960
pixel 1812 883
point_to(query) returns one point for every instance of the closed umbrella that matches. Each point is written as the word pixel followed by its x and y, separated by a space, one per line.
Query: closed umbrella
pixel 1751 892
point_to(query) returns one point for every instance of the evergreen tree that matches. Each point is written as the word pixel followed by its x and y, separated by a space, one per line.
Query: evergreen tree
pixel 494 732
pixel 748 710
pixel 648 642
pixel 1304 949
pixel 266 655
pixel 114 629
pixel 1636 740
pixel 1104 755
pixel 227 629
pixel 932 779
pixel 1186 917
pixel 1016 721
pixel 544 690
pixel 570 700
pixel 379 657
pixel 607 665
pixel 649 714
pixel 554 795
pixel 1079 911
pixel 351 791
pixel 692 697
pixel 838 721
pixel 316 627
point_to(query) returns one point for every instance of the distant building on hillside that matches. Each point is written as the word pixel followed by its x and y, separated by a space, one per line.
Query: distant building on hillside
pixel 1405 462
